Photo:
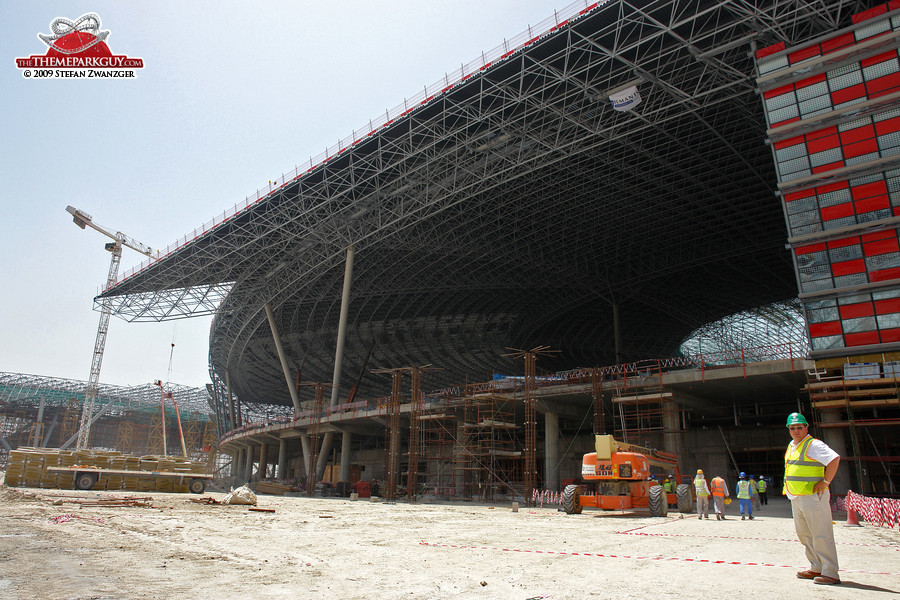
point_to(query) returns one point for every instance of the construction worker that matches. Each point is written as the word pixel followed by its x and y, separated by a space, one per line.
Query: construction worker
pixel 667 485
pixel 745 496
pixel 763 486
pixel 701 489
pixel 719 493
pixel 809 467
pixel 754 488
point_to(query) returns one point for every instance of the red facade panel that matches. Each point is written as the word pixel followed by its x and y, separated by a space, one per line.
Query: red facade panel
pixel 824 329
pixel 888 306
pixel 861 339
pixel 854 311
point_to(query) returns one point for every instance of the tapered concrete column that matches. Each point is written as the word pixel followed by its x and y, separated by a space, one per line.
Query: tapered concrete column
pixel 617 333
pixel 551 451
pixel 282 459
pixel 346 440
pixel 304 445
pixel 281 356
pixel 834 437
pixel 328 438
pixel 230 400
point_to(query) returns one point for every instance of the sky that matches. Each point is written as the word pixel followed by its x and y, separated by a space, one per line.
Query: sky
pixel 232 94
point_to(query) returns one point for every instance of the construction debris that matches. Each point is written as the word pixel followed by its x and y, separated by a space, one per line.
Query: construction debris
pixel 242 495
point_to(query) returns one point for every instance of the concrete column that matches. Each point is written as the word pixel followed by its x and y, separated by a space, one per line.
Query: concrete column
pixel 617 333
pixel 304 445
pixel 834 437
pixel 292 389
pixel 236 462
pixel 231 411
pixel 346 440
pixel 672 431
pixel 459 475
pixel 248 465
pixel 263 460
pixel 551 451
pixel 282 459
pixel 328 438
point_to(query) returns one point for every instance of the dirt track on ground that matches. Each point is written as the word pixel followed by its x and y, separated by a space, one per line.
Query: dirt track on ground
pixel 337 548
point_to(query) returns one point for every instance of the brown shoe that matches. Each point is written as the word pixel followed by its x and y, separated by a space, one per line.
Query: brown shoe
pixel 807 574
pixel 824 580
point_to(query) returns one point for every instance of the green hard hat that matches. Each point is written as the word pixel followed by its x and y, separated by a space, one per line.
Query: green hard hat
pixel 796 419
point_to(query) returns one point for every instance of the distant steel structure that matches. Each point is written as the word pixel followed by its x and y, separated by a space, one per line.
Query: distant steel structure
pixel 32 404
pixel 510 205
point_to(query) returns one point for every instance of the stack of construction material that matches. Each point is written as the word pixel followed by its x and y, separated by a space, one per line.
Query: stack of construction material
pixel 28 467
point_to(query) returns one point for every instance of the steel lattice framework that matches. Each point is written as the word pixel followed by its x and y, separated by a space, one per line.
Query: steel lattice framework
pixel 515 208
pixel 21 390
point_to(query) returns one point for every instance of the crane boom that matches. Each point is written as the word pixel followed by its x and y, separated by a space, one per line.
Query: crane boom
pixel 82 219
pixel 91 391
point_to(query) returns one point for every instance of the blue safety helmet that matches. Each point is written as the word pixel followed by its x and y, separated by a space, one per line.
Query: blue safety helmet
pixel 743 475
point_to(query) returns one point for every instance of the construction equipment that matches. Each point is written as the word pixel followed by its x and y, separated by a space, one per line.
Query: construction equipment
pixel 622 476
pixel 82 219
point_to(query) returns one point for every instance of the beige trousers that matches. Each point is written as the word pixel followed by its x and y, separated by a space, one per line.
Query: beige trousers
pixel 812 520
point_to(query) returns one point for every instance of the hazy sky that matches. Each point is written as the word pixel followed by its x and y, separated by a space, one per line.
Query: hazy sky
pixel 232 95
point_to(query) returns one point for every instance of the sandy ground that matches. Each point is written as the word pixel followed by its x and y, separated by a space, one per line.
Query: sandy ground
pixel 338 548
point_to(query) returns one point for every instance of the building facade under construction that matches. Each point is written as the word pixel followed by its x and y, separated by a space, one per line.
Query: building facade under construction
pixel 462 292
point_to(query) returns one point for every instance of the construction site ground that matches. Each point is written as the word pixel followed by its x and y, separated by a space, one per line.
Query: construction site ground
pixel 68 545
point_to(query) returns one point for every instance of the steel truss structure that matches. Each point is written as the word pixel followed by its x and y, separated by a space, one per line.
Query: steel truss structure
pixel 20 390
pixel 44 411
pixel 513 207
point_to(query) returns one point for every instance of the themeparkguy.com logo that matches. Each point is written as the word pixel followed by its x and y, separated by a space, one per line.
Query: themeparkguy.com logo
pixel 78 49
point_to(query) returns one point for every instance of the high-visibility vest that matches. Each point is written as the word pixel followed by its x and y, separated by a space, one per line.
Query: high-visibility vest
pixel 800 472
pixel 762 486
pixel 718 487
pixel 743 490
pixel 700 487
pixel 667 486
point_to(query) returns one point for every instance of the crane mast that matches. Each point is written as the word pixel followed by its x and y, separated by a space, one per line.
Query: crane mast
pixel 91 391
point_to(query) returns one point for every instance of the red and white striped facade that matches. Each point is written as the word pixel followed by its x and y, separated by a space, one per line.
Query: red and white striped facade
pixel 833 114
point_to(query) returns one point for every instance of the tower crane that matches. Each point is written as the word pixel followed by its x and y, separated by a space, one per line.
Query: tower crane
pixel 82 219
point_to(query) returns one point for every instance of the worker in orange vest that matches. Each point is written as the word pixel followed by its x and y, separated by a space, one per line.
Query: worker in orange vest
pixel 719 493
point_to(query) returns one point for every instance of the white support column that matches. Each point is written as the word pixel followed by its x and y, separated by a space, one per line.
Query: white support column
pixel 281 356
pixel 328 438
pixel 551 451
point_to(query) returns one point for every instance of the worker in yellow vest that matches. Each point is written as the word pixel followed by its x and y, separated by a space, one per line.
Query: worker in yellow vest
pixel 667 485
pixel 744 494
pixel 809 467
pixel 719 493
pixel 701 489
pixel 763 494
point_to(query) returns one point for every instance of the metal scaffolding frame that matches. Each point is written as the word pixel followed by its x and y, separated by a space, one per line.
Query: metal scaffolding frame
pixel 513 208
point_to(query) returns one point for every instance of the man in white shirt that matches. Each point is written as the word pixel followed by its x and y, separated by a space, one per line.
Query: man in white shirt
pixel 809 467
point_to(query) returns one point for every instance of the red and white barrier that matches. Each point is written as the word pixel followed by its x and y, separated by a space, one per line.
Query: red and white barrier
pixel 877 511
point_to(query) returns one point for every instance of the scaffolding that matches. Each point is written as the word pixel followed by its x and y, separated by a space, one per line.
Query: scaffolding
pixel 641 401
pixel 862 398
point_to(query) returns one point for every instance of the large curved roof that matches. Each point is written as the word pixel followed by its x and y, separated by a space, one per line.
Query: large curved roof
pixel 515 208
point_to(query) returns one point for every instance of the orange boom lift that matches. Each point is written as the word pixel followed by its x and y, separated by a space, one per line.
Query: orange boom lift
pixel 621 476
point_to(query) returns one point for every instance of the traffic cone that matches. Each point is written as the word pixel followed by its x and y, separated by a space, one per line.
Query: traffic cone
pixel 851 519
